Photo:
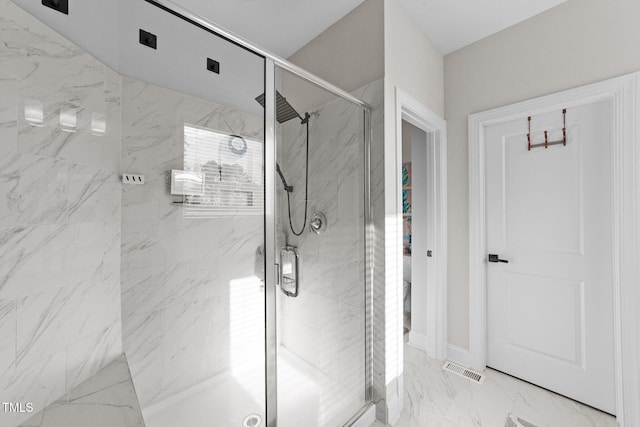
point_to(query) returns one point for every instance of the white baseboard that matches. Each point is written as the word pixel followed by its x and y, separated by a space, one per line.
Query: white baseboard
pixel 393 410
pixel 418 340
pixel 458 355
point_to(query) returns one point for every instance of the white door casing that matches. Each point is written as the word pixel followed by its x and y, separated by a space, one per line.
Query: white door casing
pixel 434 342
pixel 431 334
pixel 624 95
pixel 549 213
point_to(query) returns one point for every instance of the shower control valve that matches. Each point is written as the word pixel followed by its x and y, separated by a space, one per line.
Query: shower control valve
pixel 318 223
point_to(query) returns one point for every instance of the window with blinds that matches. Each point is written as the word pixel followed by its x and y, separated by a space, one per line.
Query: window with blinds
pixel 231 171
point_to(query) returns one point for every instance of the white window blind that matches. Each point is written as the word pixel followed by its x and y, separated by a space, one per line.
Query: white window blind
pixel 232 172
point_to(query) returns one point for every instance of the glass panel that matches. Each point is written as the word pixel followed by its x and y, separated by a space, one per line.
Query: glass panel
pixel 193 234
pixel 321 305
pixel 132 220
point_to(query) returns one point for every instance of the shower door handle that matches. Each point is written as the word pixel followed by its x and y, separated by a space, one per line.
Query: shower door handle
pixel 289 271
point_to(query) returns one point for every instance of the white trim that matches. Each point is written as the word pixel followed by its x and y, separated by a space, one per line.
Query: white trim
pixel 458 355
pixel 623 92
pixel 414 112
pixel 394 409
pixel 418 340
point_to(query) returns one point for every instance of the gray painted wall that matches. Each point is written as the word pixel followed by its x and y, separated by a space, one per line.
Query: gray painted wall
pixel 411 62
pixel 350 53
pixel 406 141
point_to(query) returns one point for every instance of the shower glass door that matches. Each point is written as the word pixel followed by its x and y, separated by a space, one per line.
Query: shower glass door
pixel 322 294
pixel 193 234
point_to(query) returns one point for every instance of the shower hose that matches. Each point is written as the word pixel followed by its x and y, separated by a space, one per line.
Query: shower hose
pixel 306 189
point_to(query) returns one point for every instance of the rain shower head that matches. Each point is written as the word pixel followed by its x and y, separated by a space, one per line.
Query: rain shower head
pixel 284 110
pixel 284 113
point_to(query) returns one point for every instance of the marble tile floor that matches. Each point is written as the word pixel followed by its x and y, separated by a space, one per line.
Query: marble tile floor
pixel 434 398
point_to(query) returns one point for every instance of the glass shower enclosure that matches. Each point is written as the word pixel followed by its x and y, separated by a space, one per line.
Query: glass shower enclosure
pixel 277 168
pixel 321 301
pixel 232 264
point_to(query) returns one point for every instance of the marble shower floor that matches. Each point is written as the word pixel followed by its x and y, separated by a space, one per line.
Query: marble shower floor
pixel 225 400
pixel 221 401
pixel 435 398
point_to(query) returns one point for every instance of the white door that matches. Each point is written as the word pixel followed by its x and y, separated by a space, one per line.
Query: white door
pixel 549 214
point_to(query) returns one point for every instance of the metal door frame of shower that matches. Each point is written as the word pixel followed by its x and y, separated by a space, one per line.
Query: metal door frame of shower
pixel 270 200
pixel 270 228
pixel 270 213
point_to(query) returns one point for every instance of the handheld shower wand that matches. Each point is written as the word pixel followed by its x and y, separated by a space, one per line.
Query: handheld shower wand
pixel 287 188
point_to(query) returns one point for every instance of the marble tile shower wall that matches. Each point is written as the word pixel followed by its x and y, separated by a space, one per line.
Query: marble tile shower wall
pixel 192 307
pixel 325 325
pixel 60 317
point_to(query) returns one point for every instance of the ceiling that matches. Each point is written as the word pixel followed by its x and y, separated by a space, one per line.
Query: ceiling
pixel 284 26
pixel 280 26
pixel 452 24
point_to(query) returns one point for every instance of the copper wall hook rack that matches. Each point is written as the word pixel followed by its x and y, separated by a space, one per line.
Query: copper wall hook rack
pixel 546 143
